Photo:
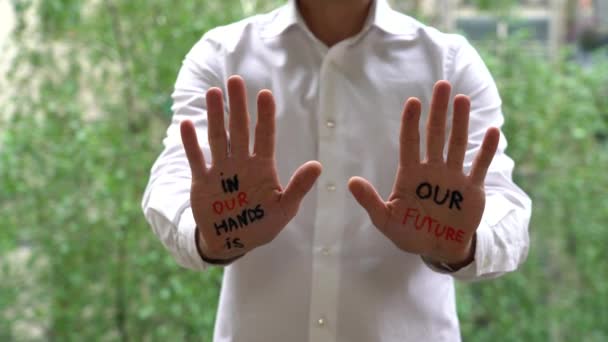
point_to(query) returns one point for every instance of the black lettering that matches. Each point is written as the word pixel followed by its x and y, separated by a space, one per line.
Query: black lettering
pixel 420 191
pixel 221 227
pixel 233 243
pixel 259 212
pixel 456 199
pixel 223 183
pixel 242 220
pixel 251 215
pixel 232 185
pixel 445 198
pixel 242 217
pixel 237 243
pixel 232 224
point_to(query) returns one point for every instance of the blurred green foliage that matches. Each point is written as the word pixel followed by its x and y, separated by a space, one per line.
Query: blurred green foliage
pixel 90 107
pixel 501 7
pixel 556 123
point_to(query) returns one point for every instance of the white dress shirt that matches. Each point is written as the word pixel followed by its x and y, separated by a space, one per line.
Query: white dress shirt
pixel 331 275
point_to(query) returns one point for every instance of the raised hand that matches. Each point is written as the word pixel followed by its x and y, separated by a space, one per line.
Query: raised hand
pixel 434 208
pixel 238 202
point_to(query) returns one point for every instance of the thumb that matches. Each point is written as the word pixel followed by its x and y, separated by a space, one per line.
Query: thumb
pixel 300 184
pixel 370 200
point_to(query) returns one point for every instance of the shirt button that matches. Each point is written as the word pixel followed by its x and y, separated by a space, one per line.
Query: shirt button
pixel 330 124
pixel 321 322
pixel 331 187
pixel 325 251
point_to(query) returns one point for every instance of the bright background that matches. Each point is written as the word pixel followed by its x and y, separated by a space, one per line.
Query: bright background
pixel 84 101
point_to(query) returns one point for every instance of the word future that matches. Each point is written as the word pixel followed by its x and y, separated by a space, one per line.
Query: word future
pixel 432 226
pixel 241 219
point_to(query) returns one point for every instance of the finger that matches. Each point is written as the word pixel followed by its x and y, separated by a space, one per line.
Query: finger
pixel 195 156
pixel 459 137
pixel 410 135
pixel 435 125
pixel 239 117
pixel 370 200
pixel 300 184
pixel 265 127
pixel 218 141
pixel 484 156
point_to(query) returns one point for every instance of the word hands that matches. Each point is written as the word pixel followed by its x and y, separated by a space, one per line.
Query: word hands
pixel 238 202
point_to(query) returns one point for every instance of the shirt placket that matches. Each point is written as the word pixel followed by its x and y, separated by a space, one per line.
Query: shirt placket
pixel 328 224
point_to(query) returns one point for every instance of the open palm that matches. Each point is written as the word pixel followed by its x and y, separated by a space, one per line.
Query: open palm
pixel 238 202
pixel 434 209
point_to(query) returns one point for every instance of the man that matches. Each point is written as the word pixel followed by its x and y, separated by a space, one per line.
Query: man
pixel 313 263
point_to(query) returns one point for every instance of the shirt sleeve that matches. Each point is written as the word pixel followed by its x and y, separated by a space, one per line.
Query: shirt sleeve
pixel 502 236
pixel 166 201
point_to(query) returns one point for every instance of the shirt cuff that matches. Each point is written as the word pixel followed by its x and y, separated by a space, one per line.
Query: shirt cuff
pixel 187 235
pixel 474 269
pixel 482 249
pixel 215 262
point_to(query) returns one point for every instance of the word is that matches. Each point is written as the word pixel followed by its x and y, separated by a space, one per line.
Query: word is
pixel 230 204
pixel 234 243
pixel 426 190
pixel 432 226
pixel 230 185
pixel 242 220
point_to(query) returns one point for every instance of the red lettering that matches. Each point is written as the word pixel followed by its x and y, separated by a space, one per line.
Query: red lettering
pixel 429 221
pixel 218 208
pixel 434 223
pixel 419 227
pixel 437 233
pixel 242 199
pixel 460 235
pixel 407 214
pixel 431 225
pixel 230 204
pixel 450 234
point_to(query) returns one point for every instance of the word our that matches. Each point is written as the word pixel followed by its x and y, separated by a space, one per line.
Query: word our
pixel 426 190
pixel 230 204
pixel 433 226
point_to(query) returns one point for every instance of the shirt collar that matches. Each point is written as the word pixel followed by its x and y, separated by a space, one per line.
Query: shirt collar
pixel 381 16
pixel 285 17
pixel 385 18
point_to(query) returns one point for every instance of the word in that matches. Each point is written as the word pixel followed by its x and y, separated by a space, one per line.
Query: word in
pixel 240 200
pixel 242 220
pixel 425 191
pixel 433 226
pixel 230 185
pixel 234 243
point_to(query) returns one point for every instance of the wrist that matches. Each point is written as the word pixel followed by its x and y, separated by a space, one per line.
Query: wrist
pixel 201 248
pixel 470 256
pixel 455 265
